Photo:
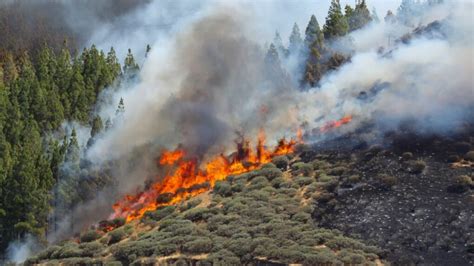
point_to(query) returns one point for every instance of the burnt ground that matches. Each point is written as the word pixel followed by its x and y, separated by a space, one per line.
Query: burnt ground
pixel 419 215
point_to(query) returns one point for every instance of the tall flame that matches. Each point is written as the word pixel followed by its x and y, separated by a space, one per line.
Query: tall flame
pixel 189 179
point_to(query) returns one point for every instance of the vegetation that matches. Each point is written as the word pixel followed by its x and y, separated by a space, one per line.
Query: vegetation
pixel 36 97
pixel 261 221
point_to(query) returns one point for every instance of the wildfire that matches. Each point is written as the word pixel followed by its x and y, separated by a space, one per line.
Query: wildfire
pixel 189 179
pixel 335 124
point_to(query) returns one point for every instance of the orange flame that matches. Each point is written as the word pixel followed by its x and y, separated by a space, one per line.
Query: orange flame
pixel 189 180
pixel 170 157
pixel 337 123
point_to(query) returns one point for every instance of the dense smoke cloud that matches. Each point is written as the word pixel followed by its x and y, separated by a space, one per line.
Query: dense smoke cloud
pixel 427 81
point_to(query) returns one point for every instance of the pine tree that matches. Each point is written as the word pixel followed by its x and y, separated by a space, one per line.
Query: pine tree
pixel 148 49
pixel 77 94
pixel 97 127
pixel 313 33
pixel 130 67
pixel 295 40
pixel 336 23
pixel 278 42
pixel 113 64
pixel 359 17
pixel 375 16
pixel 408 11
pixel 62 79
pixel 315 43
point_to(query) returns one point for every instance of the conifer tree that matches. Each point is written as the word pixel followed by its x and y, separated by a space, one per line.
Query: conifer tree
pixel 359 17
pixel 295 40
pixel 130 67
pixel 313 33
pixel 278 42
pixel 336 23
pixel 375 16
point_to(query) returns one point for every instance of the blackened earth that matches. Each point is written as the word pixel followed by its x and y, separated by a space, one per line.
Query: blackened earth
pixel 417 217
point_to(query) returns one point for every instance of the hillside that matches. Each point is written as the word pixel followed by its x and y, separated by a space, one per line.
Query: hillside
pixel 328 204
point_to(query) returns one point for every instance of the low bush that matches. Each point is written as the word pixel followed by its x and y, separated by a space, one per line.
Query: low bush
pixel 387 181
pixel 320 165
pixel 189 204
pixel 281 162
pixel 196 214
pixel 198 245
pixel 416 167
pixel 303 180
pixel 268 165
pixel 116 235
pixel 460 184
pixel 160 213
pixel 223 188
pixel 90 249
pixel 270 173
pixel 223 257
pixel 90 235
pixel 301 168
pixel 337 171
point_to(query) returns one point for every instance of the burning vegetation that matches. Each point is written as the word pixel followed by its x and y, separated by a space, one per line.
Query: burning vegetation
pixel 186 176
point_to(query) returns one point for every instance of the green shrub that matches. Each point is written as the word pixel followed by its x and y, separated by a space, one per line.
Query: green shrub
pixel 196 214
pixel 416 167
pixel 303 180
pixel 302 217
pixel 268 165
pixel 320 165
pixel 68 250
pixel 90 249
pixel 270 173
pixel 281 162
pixel 198 245
pixel 223 188
pixel 189 204
pixel 223 257
pixel 131 250
pixel 164 198
pixel 116 235
pixel 337 171
pixel 387 181
pixel 90 235
pixel 238 246
pixel 461 184
pixel 301 168
pixel 113 263
pixel 238 186
pixel 350 258
pixel 259 182
pixel 160 213
pixel 325 178
pixel 277 182
pixel 353 179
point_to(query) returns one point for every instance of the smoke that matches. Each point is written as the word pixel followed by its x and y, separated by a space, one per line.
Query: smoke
pixel 206 78
pixel 18 251
pixel 427 80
